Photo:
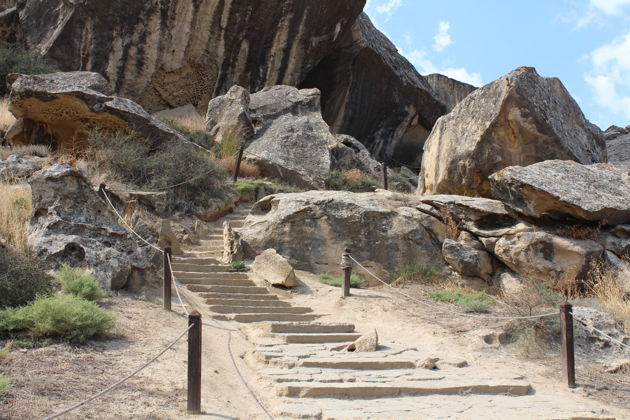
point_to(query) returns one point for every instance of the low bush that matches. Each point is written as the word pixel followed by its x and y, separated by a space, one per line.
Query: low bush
pixel 238 266
pixel 22 278
pixel 15 212
pixel 194 130
pixel 63 316
pixel 246 186
pixel 5 384
pixel 534 294
pixel 353 180
pixel 608 286
pixel 419 270
pixel 337 281
pixel 15 59
pixel 534 337
pixel 468 301
pixel 79 282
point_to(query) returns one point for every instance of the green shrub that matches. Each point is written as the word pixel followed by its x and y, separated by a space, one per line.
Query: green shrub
pixel 468 301
pixel 64 316
pixel 355 281
pixel 418 270
pixel 5 384
pixel 245 186
pixel 15 59
pixel 21 279
pixel 238 266
pixel 534 294
pixel 79 283
pixel 340 181
pixel 200 137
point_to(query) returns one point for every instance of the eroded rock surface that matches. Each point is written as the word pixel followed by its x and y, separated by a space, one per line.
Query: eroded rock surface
pixel 449 91
pixel 274 269
pixel 519 119
pixel 228 116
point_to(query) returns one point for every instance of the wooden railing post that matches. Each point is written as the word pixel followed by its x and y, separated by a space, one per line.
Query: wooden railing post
pixel 568 351
pixel 168 279
pixel 346 264
pixel 385 181
pixel 194 363
pixel 237 163
pixel 101 191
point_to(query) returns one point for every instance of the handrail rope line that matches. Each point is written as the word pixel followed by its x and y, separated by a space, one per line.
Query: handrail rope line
pixel 446 310
pixel 586 324
pixel 127 225
pixel 170 266
pixel 120 382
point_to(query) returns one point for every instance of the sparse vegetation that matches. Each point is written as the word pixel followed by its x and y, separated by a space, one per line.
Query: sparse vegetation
pixel 5 384
pixel 15 59
pixel 609 285
pixel 352 180
pixel 245 186
pixel 63 316
pixel 15 211
pixel 246 169
pixel 534 294
pixel 194 129
pixel 416 271
pixel 22 278
pixel 355 281
pixel 468 301
pixel 79 282
pixel 238 266
pixel 534 337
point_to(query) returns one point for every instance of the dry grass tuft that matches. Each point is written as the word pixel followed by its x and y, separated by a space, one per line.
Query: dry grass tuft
pixel 246 169
pixel 354 175
pixel 190 122
pixel 15 211
pixel 28 150
pixel 609 285
pixel 6 118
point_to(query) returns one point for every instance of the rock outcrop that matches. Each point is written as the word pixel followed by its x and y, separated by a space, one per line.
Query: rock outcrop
pixel 374 94
pixel 519 119
pixel 449 91
pixel 467 261
pixel 274 269
pixel 228 116
pixel 18 168
pixel 618 146
pixel 70 224
pixel 566 189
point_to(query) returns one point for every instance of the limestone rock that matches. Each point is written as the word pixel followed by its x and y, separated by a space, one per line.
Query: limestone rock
pixel 70 224
pixel 561 189
pixel 449 91
pixel 375 95
pixel 593 319
pixel 519 119
pixel 232 245
pixel 549 257
pixel 274 269
pixel 509 282
pixel 619 366
pixel 349 153
pixel 313 228
pixel 466 260
pixel 167 238
pixel 26 131
pixel 16 168
pixel 366 343
pixel 71 104
pixel 228 116
pixel 614 131
pixel 292 141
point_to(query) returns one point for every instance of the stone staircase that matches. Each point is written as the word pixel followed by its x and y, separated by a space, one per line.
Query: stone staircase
pixel 312 373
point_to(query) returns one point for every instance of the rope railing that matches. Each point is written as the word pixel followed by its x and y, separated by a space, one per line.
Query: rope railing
pixel 179 296
pixel 603 334
pixel 120 382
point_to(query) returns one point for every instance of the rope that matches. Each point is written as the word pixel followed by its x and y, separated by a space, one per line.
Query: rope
pixel 120 382
pixel 170 266
pixel 437 308
pixel 183 182
pixel 127 225
pixel 586 324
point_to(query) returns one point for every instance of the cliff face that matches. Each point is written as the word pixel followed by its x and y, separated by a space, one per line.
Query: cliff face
pixel 449 91
pixel 167 53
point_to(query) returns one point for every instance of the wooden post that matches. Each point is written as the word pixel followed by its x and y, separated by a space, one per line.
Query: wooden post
pixel 237 163
pixel 568 353
pixel 168 279
pixel 385 182
pixel 101 191
pixel 194 363
pixel 346 263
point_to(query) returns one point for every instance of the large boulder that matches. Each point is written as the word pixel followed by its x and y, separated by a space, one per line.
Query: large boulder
pixel 519 119
pixel 566 189
pixel 274 269
pixel 71 224
pixel 168 53
pixel 449 91
pixel 467 261
pixel 618 146
pixel 312 229
pixel 374 94
pixel 228 116
pixel 71 104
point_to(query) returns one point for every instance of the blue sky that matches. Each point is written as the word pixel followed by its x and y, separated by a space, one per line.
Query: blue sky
pixel 585 43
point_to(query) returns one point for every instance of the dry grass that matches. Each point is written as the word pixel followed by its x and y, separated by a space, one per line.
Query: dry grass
pixel 15 211
pixel 452 226
pixel 6 118
pixel 246 169
pixel 354 175
pixel 28 150
pixel 190 122
pixel 607 285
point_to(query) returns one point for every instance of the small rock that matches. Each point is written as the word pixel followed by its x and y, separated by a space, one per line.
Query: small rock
pixel 366 343
pixel 429 363
pixel 274 269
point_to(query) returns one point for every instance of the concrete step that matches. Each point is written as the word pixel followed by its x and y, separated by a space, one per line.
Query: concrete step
pixel 241 296
pixel 358 363
pixel 250 309
pixel 204 254
pixel 249 290
pixel 232 301
pixel 376 390
pixel 194 260
pixel 212 275
pixel 318 338
pixel 211 248
pixel 218 282
pixel 256 317
pixel 201 268
pixel 302 374
pixel 308 327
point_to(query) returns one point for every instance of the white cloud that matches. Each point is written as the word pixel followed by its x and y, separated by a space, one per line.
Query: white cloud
pixel 442 39
pixel 463 75
pixel 610 7
pixel 425 66
pixel 388 7
pixel 610 76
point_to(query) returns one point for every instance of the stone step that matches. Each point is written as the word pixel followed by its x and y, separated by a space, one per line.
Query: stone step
pixel 204 254
pixel 201 268
pixel 308 327
pixel 376 390
pixel 301 374
pixel 256 317
pixel 218 282
pixel 210 248
pixel 358 363
pixel 232 301
pixel 229 309
pixel 318 338
pixel 212 275
pixel 248 290
pixel 194 260
pixel 240 296
pixel 213 237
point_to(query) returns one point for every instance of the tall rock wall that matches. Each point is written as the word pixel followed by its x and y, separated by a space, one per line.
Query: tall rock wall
pixel 449 91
